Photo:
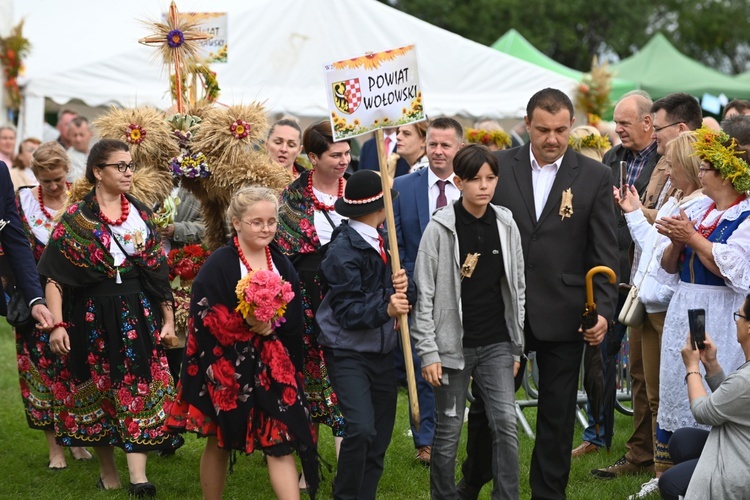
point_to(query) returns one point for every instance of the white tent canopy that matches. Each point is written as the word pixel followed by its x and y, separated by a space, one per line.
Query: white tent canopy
pixel 88 50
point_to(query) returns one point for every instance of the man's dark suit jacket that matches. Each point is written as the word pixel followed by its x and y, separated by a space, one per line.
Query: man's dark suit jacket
pixel 368 159
pixel 558 252
pixel 612 159
pixel 411 212
pixel 16 248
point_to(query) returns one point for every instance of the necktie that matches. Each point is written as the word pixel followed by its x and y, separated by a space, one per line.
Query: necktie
pixel 441 199
pixel 387 146
pixel 383 255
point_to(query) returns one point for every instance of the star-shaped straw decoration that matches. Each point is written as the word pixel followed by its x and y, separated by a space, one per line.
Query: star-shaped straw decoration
pixel 177 41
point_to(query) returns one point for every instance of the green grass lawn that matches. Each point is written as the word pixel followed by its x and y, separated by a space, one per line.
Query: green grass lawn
pixel 23 460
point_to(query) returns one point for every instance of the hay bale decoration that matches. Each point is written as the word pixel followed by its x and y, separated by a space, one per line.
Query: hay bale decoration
pixel 229 137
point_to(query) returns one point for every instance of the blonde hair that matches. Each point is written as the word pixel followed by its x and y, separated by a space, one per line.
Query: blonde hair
pixel 577 136
pixel 245 198
pixel 681 150
pixel 48 157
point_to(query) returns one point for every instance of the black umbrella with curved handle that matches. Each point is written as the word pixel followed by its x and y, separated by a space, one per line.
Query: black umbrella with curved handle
pixel 593 363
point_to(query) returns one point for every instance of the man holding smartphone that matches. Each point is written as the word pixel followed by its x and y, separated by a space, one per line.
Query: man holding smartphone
pixel 638 152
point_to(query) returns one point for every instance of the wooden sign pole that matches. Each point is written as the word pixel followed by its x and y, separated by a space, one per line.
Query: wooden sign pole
pixel 403 319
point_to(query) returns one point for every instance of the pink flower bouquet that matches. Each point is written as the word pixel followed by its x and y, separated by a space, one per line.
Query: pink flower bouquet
pixel 264 295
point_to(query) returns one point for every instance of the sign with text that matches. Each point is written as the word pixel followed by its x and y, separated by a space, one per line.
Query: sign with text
pixel 213 23
pixel 373 91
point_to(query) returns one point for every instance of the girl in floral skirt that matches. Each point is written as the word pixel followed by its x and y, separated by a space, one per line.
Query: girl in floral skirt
pixel 241 382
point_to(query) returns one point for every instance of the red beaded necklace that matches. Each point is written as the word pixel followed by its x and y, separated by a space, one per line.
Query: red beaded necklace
pixel 707 230
pixel 269 262
pixel 40 197
pixel 317 203
pixel 125 211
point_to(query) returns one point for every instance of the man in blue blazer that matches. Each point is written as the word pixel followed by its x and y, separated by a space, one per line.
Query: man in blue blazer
pixel 17 251
pixel 420 194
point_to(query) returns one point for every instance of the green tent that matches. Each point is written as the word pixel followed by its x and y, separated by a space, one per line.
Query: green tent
pixel 743 77
pixel 514 44
pixel 662 69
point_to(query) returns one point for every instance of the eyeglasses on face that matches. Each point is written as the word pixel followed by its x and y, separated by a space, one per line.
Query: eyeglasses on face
pixel 659 129
pixel 258 225
pixel 121 166
pixel 737 316
pixel 706 169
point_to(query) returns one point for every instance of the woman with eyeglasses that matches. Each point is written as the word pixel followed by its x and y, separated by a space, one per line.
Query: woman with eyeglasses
pixel 713 464
pixel 107 286
pixel 307 219
pixel 706 258
pixel 241 384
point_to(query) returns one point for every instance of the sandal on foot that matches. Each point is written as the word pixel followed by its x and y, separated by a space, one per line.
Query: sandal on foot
pixel 49 466
pixel 141 490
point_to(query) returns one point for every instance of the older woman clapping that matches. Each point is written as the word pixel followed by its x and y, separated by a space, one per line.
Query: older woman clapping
pixel 708 255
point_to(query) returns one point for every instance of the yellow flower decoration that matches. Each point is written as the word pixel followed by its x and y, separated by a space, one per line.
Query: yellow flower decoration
pixel 372 61
pixel 592 141
pixel 721 151
pixel 134 134
pixel 487 137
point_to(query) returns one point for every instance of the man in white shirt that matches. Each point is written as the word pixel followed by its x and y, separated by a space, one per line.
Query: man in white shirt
pixel 79 134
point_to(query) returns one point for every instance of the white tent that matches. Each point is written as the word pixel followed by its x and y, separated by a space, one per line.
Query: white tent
pixel 88 50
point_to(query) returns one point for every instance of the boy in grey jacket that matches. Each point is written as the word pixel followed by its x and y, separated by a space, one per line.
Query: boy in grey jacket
pixel 469 318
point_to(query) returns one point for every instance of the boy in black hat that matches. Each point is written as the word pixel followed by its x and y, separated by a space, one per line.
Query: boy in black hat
pixel 357 334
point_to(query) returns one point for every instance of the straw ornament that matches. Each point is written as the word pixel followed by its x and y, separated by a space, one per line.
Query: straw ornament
pixel 177 40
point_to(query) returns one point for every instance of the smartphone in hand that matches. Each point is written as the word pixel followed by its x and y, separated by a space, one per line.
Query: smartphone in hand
pixel 623 179
pixel 697 322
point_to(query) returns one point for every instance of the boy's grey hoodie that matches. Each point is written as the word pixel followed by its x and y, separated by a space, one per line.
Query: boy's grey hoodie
pixel 437 326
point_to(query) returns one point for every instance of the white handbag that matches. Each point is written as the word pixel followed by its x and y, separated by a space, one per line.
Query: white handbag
pixel 633 312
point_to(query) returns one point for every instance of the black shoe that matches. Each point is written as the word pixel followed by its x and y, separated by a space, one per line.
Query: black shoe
pixel 141 490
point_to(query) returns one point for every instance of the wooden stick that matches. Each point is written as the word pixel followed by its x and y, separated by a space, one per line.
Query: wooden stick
pixel 403 319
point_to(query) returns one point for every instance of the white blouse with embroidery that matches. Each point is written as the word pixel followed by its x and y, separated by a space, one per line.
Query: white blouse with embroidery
pixel 131 235
pixel 41 226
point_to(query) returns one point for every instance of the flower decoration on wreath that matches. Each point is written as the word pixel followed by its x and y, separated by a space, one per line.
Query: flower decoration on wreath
pixel 721 151
pixel 190 165
pixel 134 134
pixel 240 129
pixel 499 138
pixel 592 141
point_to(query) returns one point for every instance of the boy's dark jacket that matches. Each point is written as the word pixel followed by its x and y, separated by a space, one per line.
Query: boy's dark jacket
pixel 354 313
